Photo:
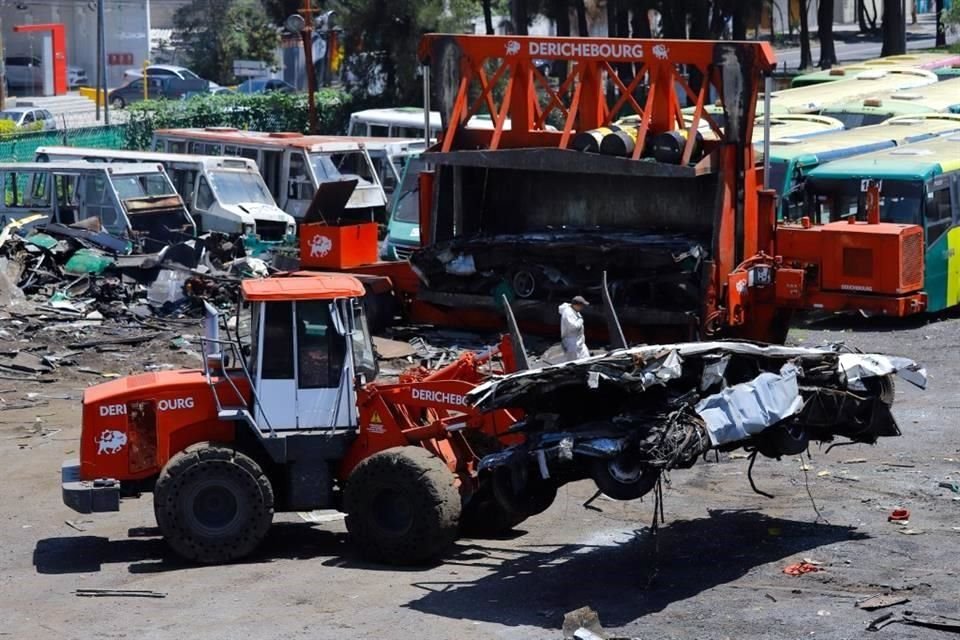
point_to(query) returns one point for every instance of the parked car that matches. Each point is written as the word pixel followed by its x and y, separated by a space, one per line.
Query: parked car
pixel 26 116
pixel 27 72
pixel 168 71
pixel 265 85
pixel 166 87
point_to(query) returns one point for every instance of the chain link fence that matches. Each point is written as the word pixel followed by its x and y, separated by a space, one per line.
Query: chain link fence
pixel 20 147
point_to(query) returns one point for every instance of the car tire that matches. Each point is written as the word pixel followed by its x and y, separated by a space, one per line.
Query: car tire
pixel 118 102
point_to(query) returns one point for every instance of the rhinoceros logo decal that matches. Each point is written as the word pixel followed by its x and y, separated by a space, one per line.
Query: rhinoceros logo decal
pixel 513 47
pixel 320 246
pixel 110 442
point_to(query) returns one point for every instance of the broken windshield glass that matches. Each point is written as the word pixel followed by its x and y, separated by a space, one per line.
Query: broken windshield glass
pixel 239 187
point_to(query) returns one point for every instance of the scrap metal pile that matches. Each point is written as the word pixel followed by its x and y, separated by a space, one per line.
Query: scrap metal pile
pixel 554 265
pixel 80 269
pixel 624 418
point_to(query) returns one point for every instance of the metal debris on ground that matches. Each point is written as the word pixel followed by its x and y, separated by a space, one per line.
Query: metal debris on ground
pixel 882 601
pixel 119 593
pixel 941 623
pixel 801 568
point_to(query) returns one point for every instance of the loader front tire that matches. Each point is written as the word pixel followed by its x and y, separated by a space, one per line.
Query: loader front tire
pixel 402 506
pixel 213 504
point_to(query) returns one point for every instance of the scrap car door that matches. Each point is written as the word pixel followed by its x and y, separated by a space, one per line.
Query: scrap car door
pixel 276 383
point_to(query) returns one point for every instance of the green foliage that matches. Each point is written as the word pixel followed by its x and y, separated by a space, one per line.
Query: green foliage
pixel 951 17
pixel 9 128
pixel 393 34
pixel 217 32
pixel 254 112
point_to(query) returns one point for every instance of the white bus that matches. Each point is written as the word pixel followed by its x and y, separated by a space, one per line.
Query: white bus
pixel 222 194
pixel 133 202
pixel 294 166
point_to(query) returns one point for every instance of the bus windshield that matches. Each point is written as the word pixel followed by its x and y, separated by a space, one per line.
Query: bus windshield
pixel 324 167
pixel 408 201
pixel 853 119
pixel 240 187
pixel 148 185
pixel 832 199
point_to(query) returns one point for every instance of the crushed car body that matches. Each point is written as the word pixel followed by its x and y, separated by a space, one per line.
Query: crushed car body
pixel 624 418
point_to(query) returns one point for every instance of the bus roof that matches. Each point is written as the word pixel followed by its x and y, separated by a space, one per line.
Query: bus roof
pixel 121 168
pixel 795 125
pixel 842 144
pixel 226 162
pixel 918 161
pixel 942 96
pixel 402 116
pixel 868 82
pixel 914 60
pixel 279 139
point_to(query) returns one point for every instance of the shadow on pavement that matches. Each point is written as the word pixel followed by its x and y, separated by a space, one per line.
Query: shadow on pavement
pixel 622 581
pixel 145 554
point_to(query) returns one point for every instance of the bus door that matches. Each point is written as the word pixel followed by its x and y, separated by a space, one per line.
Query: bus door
pixel 25 193
pixel 300 189
pixel 271 168
pixel 66 210
pixel 96 200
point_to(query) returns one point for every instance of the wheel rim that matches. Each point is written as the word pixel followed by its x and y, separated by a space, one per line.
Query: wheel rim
pixel 392 511
pixel 625 470
pixel 524 284
pixel 212 508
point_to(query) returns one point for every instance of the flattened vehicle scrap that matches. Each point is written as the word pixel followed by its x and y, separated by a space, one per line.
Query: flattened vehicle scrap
pixel 625 417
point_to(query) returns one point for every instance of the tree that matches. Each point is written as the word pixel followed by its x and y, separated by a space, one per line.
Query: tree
pixel 217 32
pixel 519 16
pixel 941 28
pixel 488 16
pixel 828 52
pixel 867 20
pixel 388 40
pixel 806 56
pixel 894 28
pixel 280 10
pixel 582 29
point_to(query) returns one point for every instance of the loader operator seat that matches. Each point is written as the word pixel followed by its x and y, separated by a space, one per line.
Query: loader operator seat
pixel 320 349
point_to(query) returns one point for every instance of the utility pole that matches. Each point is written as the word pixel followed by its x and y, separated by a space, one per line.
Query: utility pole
pixel 102 62
pixel 3 74
pixel 99 79
pixel 307 35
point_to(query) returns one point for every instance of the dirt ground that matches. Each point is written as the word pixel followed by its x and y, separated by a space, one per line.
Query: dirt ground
pixel 713 570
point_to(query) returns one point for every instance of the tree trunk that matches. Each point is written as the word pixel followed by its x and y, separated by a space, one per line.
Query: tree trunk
pixel 582 29
pixel 740 11
pixel 612 18
pixel 518 14
pixel 699 30
pixel 561 9
pixel 828 53
pixel 640 23
pixel 894 29
pixel 488 16
pixel 941 31
pixel 806 56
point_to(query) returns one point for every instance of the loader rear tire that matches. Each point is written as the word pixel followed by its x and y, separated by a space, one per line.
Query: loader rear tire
pixel 402 506
pixel 213 504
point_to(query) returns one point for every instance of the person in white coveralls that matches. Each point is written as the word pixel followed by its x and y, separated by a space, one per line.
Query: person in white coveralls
pixel 571 329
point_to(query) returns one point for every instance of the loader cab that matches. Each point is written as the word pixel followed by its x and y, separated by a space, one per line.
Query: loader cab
pixel 308 349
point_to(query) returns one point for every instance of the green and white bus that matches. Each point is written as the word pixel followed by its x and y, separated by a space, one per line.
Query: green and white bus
pixel 943 64
pixel 920 184
pixel 791 161
pixel 940 97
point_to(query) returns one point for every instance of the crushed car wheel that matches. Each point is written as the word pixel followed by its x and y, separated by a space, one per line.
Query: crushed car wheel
pixel 529 496
pixel 402 506
pixel 213 504
pixel 623 477
pixel 524 283
pixel 484 516
pixel 883 387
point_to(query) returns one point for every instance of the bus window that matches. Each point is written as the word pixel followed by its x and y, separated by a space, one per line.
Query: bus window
pixel 206 148
pixel 409 132
pixel 39 193
pixel 184 180
pixel 205 197
pixel 299 185
pixel 249 152
pixel 176 146
pixel 938 216
pixel 378 130
pixel 64 188
pixel 97 203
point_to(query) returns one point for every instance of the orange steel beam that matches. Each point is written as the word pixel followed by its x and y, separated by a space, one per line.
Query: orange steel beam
pixel 661 63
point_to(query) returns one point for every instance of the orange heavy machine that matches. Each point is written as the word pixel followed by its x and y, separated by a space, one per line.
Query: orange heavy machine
pixel 291 418
pixel 681 226
pixel 516 202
